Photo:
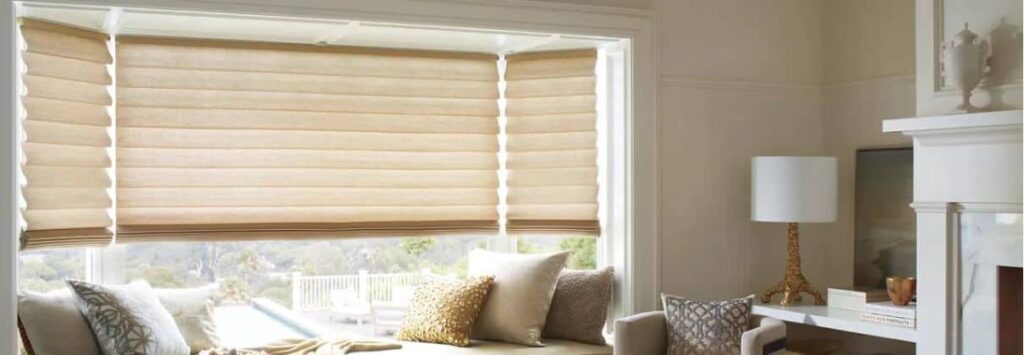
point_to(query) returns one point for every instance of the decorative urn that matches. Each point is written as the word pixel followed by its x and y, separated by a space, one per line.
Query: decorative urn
pixel 965 62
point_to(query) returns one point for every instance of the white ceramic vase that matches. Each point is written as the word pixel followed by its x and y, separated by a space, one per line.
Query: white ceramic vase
pixel 965 62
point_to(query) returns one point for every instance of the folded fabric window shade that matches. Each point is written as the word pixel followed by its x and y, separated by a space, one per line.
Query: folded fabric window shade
pixel 65 147
pixel 552 142
pixel 224 140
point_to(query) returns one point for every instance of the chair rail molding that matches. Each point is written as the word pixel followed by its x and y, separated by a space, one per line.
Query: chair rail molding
pixel 735 84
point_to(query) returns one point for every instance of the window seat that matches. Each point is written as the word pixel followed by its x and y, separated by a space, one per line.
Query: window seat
pixel 250 326
pixel 554 347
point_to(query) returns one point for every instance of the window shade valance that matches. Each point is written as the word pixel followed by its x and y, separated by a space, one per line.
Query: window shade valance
pixel 235 140
pixel 65 140
pixel 552 142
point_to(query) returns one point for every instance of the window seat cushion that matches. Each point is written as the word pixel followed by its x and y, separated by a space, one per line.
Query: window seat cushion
pixel 479 347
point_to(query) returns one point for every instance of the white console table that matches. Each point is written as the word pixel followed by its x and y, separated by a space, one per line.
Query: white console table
pixel 838 319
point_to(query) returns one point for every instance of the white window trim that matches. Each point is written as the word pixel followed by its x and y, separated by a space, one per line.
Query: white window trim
pixel 9 192
pixel 639 274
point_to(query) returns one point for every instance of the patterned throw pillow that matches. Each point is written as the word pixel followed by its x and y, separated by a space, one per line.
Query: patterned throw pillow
pixel 445 311
pixel 580 305
pixel 712 328
pixel 128 319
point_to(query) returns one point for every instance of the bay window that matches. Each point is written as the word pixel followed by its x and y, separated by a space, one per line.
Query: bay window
pixel 284 170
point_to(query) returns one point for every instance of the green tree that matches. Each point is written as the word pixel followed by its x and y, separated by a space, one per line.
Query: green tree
pixel 249 264
pixel 525 247
pixel 234 291
pixel 162 277
pixel 584 252
pixel 39 270
pixel 416 246
pixel 322 259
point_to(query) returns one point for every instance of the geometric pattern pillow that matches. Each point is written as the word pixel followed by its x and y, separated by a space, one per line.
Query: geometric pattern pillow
pixel 128 319
pixel 706 328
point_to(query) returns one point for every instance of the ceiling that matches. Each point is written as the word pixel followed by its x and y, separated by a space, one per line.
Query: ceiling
pixel 134 21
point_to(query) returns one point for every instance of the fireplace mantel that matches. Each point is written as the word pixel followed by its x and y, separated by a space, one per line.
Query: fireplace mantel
pixel 963 165
pixel 968 158
pixel 960 129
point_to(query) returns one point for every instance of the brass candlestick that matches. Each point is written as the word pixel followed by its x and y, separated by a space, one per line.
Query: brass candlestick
pixel 794 282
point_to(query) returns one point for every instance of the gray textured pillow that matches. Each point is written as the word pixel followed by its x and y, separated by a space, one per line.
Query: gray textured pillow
pixel 579 308
pixel 696 327
pixel 518 302
pixel 53 324
pixel 128 319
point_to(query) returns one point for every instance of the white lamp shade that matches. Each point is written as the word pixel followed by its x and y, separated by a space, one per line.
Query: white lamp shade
pixel 793 189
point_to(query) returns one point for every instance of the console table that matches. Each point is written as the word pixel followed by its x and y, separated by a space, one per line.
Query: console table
pixel 833 318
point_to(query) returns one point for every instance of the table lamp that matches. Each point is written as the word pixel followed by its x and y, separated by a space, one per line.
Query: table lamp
pixel 793 190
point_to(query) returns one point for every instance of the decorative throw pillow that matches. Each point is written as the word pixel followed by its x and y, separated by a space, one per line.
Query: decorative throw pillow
pixel 53 325
pixel 696 327
pixel 579 308
pixel 517 307
pixel 192 310
pixel 128 319
pixel 444 311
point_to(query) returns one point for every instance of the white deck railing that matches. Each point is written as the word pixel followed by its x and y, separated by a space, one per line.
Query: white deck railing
pixel 314 292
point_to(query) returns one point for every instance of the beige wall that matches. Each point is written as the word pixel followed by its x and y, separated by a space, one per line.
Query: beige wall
pixel 739 79
pixel 742 78
pixel 867 39
pixel 869 77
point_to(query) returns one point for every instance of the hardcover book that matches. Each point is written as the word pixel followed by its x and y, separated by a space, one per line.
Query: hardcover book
pixel 888 309
pixel 854 299
pixel 878 318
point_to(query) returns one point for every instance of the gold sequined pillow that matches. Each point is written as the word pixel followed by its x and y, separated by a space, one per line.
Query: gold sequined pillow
pixel 444 311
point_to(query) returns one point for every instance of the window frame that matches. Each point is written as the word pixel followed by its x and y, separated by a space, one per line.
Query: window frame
pixel 640 276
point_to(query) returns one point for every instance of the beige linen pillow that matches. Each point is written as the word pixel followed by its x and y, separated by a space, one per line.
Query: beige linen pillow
pixel 53 324
pixel 518 304
pixel 579 308
pixel 192 310
pixel 128 319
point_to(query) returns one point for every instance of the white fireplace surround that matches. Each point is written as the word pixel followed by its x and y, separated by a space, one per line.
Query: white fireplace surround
pixel 963 164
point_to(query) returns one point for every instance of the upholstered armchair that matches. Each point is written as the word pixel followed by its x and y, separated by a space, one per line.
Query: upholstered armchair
pixel 646 334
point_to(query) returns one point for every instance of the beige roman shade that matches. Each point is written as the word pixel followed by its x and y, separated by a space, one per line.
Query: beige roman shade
pixel 65 147
pixel 235 140
pixel 552 142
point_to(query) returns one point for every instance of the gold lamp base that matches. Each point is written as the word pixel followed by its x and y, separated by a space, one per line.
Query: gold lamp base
pixel 794 282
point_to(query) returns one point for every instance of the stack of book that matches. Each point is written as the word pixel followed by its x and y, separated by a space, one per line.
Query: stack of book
pixel 854 299
pixel 888 313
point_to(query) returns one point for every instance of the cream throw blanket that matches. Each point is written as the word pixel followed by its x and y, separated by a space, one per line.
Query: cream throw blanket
pixel 315 346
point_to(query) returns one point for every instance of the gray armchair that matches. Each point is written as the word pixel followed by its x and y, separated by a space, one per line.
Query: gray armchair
pixel 646 334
